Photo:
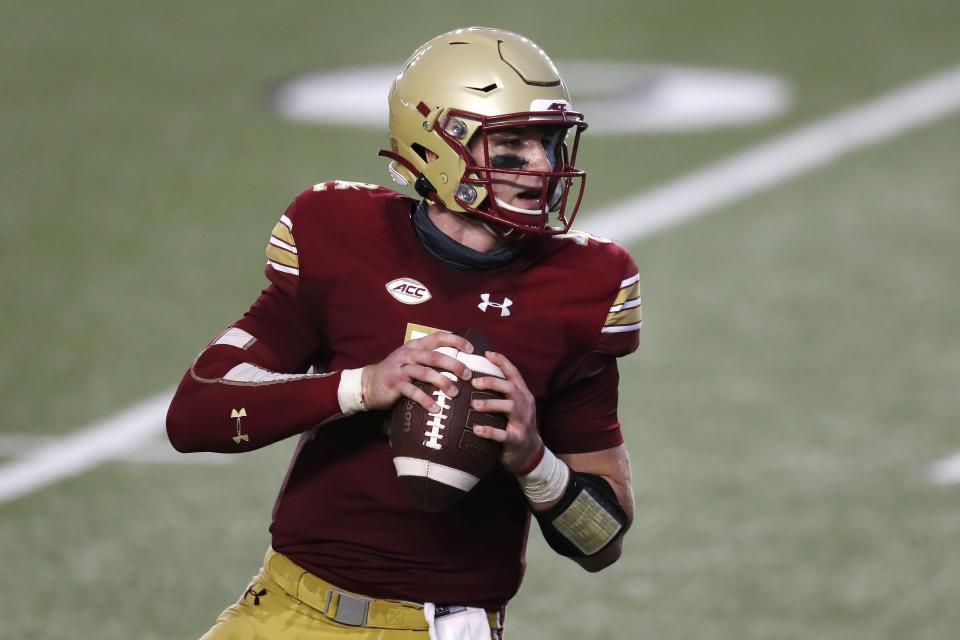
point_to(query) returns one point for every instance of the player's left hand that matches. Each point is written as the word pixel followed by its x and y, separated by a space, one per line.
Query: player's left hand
pixel 521 440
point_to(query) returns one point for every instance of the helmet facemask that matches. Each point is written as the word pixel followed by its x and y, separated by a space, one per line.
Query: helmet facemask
pixel 546 199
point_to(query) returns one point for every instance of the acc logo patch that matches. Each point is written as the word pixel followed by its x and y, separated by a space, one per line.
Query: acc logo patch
pixel 408 291
pixel 550 105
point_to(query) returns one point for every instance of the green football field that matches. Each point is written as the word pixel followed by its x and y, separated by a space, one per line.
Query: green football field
pixel 799 364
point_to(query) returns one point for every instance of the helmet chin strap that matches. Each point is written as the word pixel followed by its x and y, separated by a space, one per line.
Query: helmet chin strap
pixel 510 207
pixel 554 201
pixel 506 231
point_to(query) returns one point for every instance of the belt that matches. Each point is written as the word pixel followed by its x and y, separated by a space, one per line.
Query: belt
pixel 343 606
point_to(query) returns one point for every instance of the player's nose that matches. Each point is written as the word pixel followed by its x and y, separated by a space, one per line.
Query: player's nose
pixel 540 158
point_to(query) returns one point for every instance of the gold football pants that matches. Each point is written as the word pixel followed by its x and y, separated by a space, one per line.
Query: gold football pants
pixel 285 602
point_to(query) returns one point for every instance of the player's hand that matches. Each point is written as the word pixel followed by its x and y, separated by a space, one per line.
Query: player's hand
pixel 385 382
pixel 521 440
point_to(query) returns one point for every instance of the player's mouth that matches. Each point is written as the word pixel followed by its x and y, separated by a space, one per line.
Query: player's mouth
pixel 529 198
pixel 526 202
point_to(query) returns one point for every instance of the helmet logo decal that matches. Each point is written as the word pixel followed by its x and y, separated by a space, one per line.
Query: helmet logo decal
pixel 487 89
pixel 550 105
pixel 408 291
pixel 504 306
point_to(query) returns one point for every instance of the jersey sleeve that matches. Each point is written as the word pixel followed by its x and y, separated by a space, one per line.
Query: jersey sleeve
pixel 583 417
pixel 250 386
pixel 620 333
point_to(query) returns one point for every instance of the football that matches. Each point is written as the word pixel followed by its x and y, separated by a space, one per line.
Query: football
pixel 437 456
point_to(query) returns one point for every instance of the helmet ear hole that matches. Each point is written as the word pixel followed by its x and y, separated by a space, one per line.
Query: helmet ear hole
pixel 420 150
pixel 425 154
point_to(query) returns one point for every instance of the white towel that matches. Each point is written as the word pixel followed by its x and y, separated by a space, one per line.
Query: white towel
pixel 456 623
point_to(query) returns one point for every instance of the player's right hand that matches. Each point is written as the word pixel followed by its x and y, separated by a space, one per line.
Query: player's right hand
pixel 385 382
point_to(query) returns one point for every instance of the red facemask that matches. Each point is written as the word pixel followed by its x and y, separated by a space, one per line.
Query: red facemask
pixel 559 189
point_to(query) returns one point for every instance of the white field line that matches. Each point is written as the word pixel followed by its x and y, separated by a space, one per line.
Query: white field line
pixel 947 471
pixel 16 444
pixel 77 452
pixel 707 190
pixel 781 159
pixel 156 451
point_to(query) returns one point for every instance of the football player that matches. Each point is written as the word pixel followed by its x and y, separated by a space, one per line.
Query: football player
pixel 365 285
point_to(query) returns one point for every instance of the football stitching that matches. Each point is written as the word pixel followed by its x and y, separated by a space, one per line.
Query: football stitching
pixel 436 422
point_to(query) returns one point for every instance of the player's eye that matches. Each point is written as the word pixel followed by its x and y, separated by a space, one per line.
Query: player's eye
pixel 510 143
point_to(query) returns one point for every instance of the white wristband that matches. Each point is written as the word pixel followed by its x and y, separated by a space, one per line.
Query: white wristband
pixel 547 481
pixel 350 391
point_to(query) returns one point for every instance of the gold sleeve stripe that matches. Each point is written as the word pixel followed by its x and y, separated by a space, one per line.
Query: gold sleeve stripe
pixel 627 316
pixel 621 328
pixel 630 292
pixel 276 254
pixel 285 269
pixel 629 304
pixel 282 232
pixel 283 245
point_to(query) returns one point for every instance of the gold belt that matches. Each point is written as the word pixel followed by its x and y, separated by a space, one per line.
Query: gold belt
pixel 343 606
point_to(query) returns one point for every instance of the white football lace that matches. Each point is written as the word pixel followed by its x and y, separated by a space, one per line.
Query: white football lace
pixel 474 362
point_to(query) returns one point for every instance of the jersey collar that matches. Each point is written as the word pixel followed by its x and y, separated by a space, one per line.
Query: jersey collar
pixel 455 255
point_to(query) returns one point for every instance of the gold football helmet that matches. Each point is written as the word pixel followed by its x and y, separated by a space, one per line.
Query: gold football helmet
pixel 473 82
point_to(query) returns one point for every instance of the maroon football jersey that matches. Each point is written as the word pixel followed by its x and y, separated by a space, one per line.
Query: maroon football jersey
pixel 350 284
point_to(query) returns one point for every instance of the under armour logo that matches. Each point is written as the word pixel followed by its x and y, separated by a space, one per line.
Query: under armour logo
pixel 236 415
pixel 256 595
pixel 503 306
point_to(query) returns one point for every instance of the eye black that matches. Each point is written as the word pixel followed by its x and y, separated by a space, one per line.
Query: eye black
pixel 507 162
